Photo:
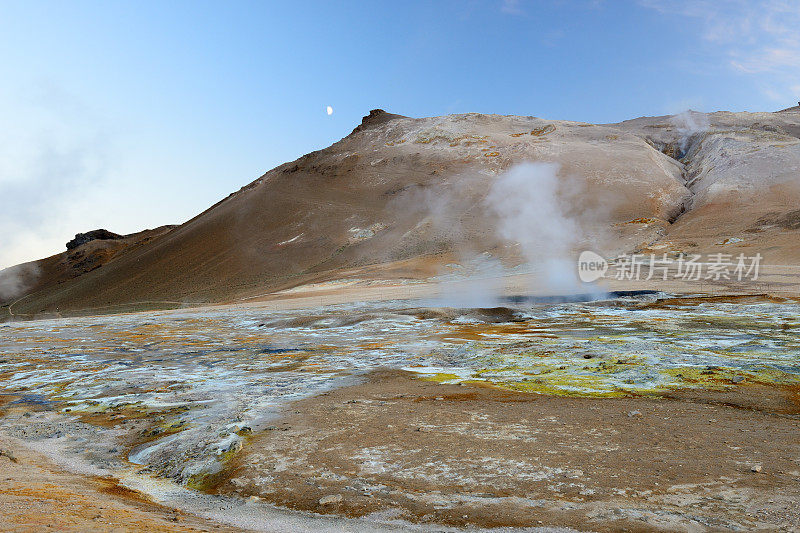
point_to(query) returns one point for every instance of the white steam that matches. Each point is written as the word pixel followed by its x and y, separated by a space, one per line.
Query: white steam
pixel 481 288
pixel 529 226
pixel 454 221
pixel 53 162
pixel 543 215
pixel 688 124
pixel 15 280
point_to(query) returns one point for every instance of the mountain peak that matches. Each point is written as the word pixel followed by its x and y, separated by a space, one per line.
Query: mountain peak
pixel 375 118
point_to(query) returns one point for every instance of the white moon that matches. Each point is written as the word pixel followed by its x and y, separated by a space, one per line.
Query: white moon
pixel 330 110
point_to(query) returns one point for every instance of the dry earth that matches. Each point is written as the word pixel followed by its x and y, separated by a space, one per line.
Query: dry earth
pixel 465 455
pixel 38 495
pixel 399 447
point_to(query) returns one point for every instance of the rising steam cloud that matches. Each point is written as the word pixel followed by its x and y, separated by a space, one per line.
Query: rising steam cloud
pixel 688 124
pixel 14 281
pixel 541 216
pixel 544 215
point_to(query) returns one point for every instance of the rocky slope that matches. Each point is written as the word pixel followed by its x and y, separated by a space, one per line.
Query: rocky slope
pixel 85 253
pixel 743 171
pixel 402 197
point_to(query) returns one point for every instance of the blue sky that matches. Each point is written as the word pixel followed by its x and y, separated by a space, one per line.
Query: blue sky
pixel 132 115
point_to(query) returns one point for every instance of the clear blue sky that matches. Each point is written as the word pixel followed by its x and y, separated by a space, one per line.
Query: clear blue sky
pixel 127 115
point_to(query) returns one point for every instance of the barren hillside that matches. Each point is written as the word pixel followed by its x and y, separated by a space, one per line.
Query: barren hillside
pixel 401 197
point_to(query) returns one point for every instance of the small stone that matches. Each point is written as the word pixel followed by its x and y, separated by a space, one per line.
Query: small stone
pixel 631 414
pixel 755 468
pixel 9 455
pixel 737 379
pixel 332 499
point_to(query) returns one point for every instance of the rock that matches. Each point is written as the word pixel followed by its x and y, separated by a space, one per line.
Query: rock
pixel 631 414
pixel 9 455
pixel 330 500
pixel 97 234
pixel 755 468
pixel 376 117
pixel 737 379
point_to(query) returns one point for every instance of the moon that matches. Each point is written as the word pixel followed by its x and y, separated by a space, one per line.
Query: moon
pixel 330 110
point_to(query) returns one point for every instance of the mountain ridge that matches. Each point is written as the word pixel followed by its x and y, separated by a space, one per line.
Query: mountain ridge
pixel 411 191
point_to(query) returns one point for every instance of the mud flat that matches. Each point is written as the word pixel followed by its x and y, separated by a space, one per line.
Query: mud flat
pixel 37 495
pixel 643 413
pixel 404 452
pixel 478 456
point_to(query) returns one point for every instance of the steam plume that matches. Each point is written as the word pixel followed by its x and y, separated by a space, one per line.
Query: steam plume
pixel 15 280
pixel 688 124
pixel 544 215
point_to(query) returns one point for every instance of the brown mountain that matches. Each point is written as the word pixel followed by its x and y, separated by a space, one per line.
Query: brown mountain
pixel 402 197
